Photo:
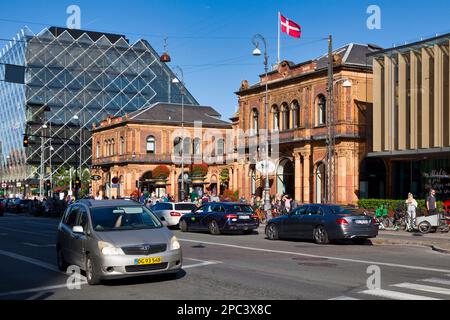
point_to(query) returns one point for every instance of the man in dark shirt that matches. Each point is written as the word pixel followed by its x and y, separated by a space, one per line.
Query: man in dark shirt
pixel 431 203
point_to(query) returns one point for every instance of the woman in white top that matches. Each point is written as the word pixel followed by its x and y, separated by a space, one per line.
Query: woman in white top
pixel 412 206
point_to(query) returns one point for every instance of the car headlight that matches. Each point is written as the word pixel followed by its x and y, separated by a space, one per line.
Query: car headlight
pixel 108 249
pixel 174 243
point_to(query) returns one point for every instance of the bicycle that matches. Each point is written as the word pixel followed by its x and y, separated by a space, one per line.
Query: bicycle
pixel 384 221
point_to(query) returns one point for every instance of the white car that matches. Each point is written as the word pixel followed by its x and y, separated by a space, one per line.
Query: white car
pixel 172 212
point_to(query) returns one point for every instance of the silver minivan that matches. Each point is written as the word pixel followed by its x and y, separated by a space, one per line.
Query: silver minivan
pixel 116 239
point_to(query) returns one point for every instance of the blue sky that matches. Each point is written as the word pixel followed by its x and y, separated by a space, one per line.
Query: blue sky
pixel 211 39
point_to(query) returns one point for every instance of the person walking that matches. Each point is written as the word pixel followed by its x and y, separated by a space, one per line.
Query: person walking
pixel 431 203
pixel 412 207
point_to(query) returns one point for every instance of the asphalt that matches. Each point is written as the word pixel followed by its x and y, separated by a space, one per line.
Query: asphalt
pixel 231 267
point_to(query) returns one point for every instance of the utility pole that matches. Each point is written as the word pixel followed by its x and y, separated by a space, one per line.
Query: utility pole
pixel 330 125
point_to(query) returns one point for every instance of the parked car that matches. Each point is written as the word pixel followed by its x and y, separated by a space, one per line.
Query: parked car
pixel 221 217
pixel 24 206
pixel 172 212
pixel 116 239
pixel 12 204
pixel 323 223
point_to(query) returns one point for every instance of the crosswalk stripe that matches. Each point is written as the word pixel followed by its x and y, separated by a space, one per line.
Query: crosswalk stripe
pixel 438 281
pixel 423 288
pixel 394 295
pixel 343 298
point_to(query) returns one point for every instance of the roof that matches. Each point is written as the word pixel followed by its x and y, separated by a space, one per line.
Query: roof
pixel 172 113
pixel 108 203
pixel 351 54
pixel 94 35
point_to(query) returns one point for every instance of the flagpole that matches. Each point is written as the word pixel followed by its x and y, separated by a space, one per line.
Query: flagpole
pixel 279 35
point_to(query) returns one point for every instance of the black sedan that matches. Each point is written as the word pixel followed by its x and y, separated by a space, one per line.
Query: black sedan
pixel 323 223
pixel 221 217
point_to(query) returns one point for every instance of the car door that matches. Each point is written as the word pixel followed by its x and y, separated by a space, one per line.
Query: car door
pixel 67 238
pixel 311 219
pixel 292 226
pixel 194 219
pixel 79 240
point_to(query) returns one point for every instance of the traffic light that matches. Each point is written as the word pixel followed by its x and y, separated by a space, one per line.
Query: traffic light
pixel 48 184
pixel 26 141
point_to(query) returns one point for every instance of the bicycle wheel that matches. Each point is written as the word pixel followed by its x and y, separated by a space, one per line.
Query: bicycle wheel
pixel 387 222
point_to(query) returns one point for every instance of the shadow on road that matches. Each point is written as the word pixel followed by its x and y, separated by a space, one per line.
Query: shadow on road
pixel 144 279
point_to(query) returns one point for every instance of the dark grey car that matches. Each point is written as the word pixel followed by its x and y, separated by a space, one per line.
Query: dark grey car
pixel 116 239
pixel 323 223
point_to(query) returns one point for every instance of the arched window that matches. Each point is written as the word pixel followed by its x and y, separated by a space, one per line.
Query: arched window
pixel 177 146
pixel 220 148
pixel 296 115
pixel 276 118
pixel 113 147
pixel 255 122
pixel 105 149
pixel 286 117
pixel 321 110
pixel 122 146
pixel 187 146
pixel 97 150
pixel 151 145
pixel 253 181
pixel 197 146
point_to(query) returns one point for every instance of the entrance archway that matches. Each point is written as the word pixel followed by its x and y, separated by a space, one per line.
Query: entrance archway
pixel 372 179
pixel 286 178
pixel 321 183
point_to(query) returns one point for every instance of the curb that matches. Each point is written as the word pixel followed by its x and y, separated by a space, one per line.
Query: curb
pixel 408 243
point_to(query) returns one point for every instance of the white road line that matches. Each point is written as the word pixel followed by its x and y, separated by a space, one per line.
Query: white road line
pixel 438 281
pixel 343 298
pixel 38 263
pixel 420 287
pixel 39 289
pixel 29 232
pixel 393 265
pixel 202 264
pixel 39 245
pixel 394 295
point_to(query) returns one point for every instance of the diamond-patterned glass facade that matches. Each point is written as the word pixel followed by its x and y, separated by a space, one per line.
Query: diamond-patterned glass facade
pixel 73 79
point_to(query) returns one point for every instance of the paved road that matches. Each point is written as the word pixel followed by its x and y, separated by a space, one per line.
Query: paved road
pixel 229 267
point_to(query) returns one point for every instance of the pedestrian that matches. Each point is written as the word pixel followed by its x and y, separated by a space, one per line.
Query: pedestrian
pixel 431 203
pixel 412 207
pixel 287 204
pixel 142 198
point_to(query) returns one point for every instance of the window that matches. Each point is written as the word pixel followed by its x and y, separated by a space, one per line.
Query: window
pixel 321 110
pixel 113 147
pixel 122 146
pixel 300 211
pixel 97 150
pixel 71 218
pixel 313 211
pixel 177 146
pixel 187 146
pixel 151 144
pixel 296 120
pixel 220 148
pixel 84 222
pixel 197 146
pixel 276 118
pixel 286 117
pixel 255 122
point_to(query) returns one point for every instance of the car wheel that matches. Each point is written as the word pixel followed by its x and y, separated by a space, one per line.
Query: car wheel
pixel 321 235
pixel 214 228
pixel 272 232
pixel 62 264
pixel 425 227
pixel 92 276
pixel 183 226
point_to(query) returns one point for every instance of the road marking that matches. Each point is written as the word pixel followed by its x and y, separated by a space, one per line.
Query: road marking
pixel 394 265
pixel 420 287
pixel 394 295
pixel 29 232
pixel 343 298
pixel 202 264
pixel 39 289
pixel 437 280
pixel 39 245
pixel 38 263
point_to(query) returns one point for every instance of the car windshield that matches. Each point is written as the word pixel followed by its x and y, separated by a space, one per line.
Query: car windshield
pixel 123 218
pixel 185 206
pixel 240 208
pixel 345 211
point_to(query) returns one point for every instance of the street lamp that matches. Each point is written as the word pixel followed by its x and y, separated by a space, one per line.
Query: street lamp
pixel 177 81
pixel 257 52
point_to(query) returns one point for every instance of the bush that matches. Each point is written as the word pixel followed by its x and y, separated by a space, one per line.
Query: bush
pixel 230 196
pixel 161 172
pixel 199 170
pixel 373 204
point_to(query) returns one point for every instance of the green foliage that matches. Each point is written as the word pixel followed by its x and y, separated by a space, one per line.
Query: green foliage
pixel 230 196
pixel 225 175
pixel 373 204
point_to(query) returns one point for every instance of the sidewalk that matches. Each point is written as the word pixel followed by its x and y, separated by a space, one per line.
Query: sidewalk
pixel 437 241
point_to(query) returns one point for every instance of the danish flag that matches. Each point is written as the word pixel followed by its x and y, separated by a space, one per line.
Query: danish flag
pixel 290 27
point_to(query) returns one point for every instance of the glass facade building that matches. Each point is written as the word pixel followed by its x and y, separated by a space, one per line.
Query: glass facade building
pixel 73 78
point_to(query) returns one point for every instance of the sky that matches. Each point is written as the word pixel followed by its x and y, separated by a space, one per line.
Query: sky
pixel 211 40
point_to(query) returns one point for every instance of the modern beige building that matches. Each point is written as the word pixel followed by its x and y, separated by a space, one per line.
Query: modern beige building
pixel 411 119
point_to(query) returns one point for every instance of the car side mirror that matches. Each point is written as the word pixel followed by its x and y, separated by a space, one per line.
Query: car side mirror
pixel 78 230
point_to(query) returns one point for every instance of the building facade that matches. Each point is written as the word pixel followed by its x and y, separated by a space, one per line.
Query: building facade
pixel 411 120
pixel 71 73
pixel 127 150
pixel 298 117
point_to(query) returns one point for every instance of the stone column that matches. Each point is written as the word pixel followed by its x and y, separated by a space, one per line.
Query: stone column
pixel 298 177
pixel 439 96
pixel 416 99
pixel 427 105
pixel 403 102
pixel 378 105
pixel 388 104
pixel 306 176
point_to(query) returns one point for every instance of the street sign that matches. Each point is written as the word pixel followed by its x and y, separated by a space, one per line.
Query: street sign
pixel 115 186
pixel 18 184
pixel 96 178
pixel 266 166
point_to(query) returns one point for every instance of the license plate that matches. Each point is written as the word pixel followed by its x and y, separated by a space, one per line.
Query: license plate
pixel 244 217
pixel 362 221
pixel 147 261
